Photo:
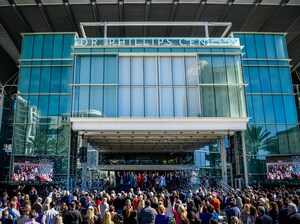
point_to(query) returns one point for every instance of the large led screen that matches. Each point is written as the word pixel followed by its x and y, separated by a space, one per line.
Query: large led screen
pixel 32 170
pixel 283 167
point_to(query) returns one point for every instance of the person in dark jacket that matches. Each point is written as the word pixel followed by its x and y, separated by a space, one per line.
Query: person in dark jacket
pixel 147 215
pixel 72 216
pixel 293 217
pixel 263 218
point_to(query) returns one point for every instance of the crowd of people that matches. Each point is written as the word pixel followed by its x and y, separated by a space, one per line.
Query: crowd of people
pixel 283 172
pixel 31 173
pixel 52 205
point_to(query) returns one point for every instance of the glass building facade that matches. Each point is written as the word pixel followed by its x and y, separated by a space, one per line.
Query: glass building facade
pixel 273 129
pixel 62 76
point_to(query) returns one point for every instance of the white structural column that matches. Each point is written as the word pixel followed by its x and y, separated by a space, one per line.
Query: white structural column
pixel 245 159
pixel 223 161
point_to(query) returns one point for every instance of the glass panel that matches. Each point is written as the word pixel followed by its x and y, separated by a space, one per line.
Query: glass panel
pixel 137 102
pixel 96 101
pixel 250 46
pixel 281 50
pixel 230 69
pixel 178 70
pixel 242 103
pixel 191 68
pixel 97 69
pixel 205 69
pixel 55 80
pixel 261 47
pixel 269 109
pixel 85 67
pixel 27 46
pixel 247 80
pixel 68 43
pixel 124 70
pixel 66 80
pixel 110 101
pixel 234 101
pixel 293 136
pixel 238 69
pixel 166 102
pixel 279 109
pixel 24 80
pixel 165 71
pixel 193 102
pixel 38 46
pixel 83 101
pixel 124 102
pixel 271 52
pixel 63 140
pixel 137 71
pixel 254 80
pixel 275 80
pixel 265 80
pixel 180 104
pixel 285 78
pixel 151 103
pixel 57 46
pixel 272 139
pixel 53 105
pixel 290 109
pixel 222 101
pixel 257 108
pixel 45 80
pixel 208 101
pixel 250 109
pixel 35 80
pixel 110 67
pixel 219 70
pixel 48 46
pixel 43 108
pixel 282 138
pixel 65 106
pixel 150 70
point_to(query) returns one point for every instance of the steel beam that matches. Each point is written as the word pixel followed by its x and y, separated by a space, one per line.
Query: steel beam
pixel 20 15
pixel 45 15
pixel 147 15
pixel 96 16
pixel 198 16
pixel 71 16
pixel 250 14
pixel 121 17
pixel 172 16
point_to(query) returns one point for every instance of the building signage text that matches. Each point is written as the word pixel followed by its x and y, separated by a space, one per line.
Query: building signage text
pixel 160 42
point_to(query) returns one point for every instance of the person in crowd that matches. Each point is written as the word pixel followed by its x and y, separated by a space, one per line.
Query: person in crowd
pixel 32 216
pixel 50 214
pixel 206 212
pixel 23 216
pixel 114 215
pixel 245 213
pixel 72 215
pixel 232 210
pixel 161 217
pixel 46 205
pixel 103 207
pixel 274 212
pixel 90 217
pixel 58 219
pixel 234 220
pixel 253 215
pixel 6 218
pixel 13 212
pixel 129 216
pixel 63 209
pixel 147 215
pixel 215 202
pixel 293 216
pixel 107 218
pixel 262 217
pixel 140 206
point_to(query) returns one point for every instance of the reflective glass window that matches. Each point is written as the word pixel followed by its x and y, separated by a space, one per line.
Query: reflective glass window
pixel 48 46
pixel 165 71
pixel 151 101
pixel 279 109
pixel 290 109
pixel 180 103
pixel 67 47
pixel 38 46
pixel 257 108
pixel 265 80
pixel 270 46
pixel 208 101
pixel 269 109
pixel 282 138
pixel 219 70
pixel 234 101
pixel 85 66
pixel 58 46
pixel 272 139
pixel 53 105
pixel 55 80
pixel 254 79
pixel 66 80
pixel 124 101
pixel 137 101
pixel 83 101
pixel 96 101
pixel 193 102
pixel 178 70
pixel 64 105
pixel 150 70
pixel 281 51
pixel 230 69
pixel 247 80
pixel 191 69
pixel 285 79
pixel 43 106
pixel 261 47
pixel 275 80
pixel 250 46
pixel 166 102
pixel 222 101
pixel 124 70
pixel 27 48
pixel 110 67
pixel 205 69
pixel 97 69
pixel 293 136
pixel 137 72
pixel 24 80
pixel 45 80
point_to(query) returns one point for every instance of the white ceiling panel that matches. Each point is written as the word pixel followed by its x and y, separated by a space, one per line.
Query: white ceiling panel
pixel 162 1
pixel 244 2
pixel 52 2
pixel 271 2
pixel 25 2
pixel 217 1
pixel 135 1
pixel 107 1
pixel 294 2
pixel 4 3
pixel 79 1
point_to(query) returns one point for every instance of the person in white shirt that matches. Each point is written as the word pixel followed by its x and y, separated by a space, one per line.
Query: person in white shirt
pixel 49 215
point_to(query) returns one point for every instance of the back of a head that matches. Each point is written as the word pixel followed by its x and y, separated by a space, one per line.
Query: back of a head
pixel 292 207
pixel 73 205
pixel 261 209
pixel 22 211
pixel 213 221
pixel 32 214
pixel 147 203
pixel 52 204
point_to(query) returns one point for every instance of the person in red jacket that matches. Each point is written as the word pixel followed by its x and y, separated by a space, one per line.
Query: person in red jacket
pixel 215 202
